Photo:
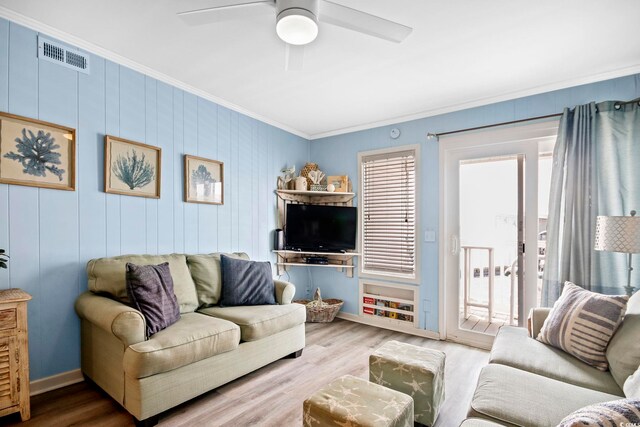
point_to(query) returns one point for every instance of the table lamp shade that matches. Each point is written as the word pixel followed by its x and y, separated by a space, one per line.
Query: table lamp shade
pixel 618 234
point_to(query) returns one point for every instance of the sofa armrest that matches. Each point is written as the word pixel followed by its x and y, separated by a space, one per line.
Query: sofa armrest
pixel 284 291
pixel 536 319
pixel 125 322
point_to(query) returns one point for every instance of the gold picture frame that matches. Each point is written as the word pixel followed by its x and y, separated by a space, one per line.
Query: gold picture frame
pixel 131 168
pixel 203 180
pixel 36 153
pixel 340 182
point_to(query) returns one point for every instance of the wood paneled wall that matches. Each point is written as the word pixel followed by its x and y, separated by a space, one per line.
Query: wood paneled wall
pixel 51 234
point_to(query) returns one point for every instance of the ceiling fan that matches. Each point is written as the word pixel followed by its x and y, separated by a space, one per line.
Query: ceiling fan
pixel 297 21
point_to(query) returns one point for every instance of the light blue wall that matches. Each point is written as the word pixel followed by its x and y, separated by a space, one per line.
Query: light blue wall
pixel 338 156
pixel 51 234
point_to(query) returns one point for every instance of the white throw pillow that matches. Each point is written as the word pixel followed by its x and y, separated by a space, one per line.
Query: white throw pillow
pixel 582 323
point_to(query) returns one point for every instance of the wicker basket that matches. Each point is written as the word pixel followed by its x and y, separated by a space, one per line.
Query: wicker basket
pixel 319 310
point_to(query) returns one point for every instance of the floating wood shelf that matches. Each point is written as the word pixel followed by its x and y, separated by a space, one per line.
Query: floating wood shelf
pixel 315 197
pixel 339 260
pixel 302 264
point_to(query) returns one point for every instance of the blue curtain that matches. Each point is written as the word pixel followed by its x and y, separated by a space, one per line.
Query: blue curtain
pixel 596 171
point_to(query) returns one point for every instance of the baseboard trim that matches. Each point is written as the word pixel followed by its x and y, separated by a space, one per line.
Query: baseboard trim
pixel 54 382
pixel 411 331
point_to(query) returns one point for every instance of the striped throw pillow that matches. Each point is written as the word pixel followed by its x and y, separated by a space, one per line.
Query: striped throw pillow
pixel 617 413
pixel 582 322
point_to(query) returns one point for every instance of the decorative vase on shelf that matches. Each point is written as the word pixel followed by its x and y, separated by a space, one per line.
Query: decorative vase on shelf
pixel 301 184
pixel 306 169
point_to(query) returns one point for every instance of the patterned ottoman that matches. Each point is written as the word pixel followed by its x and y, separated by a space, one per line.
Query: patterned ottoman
pixel 416 371
pixel 352 401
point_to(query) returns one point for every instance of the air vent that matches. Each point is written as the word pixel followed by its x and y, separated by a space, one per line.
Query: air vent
pixel 63 55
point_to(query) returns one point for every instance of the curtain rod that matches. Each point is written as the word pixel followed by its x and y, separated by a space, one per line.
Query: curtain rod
pixel 548 116
pixel 495 125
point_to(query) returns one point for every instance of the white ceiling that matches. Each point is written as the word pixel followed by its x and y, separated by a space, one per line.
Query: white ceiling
pixel 461 53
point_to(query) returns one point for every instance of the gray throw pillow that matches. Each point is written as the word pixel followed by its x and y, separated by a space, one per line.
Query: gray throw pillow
pixel 582 323
pixel 617 413
pixel 150 290
pixel 246 282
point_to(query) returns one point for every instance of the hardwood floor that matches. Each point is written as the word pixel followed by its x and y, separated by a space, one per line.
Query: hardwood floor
pixel 273 395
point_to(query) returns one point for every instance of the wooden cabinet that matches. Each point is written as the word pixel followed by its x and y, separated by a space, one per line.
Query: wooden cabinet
pixel 14 353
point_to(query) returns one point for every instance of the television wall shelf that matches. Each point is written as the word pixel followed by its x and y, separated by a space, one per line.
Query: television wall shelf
pixel 343 261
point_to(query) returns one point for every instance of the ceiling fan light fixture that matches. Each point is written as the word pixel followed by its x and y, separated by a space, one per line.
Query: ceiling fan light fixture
pixel 297 26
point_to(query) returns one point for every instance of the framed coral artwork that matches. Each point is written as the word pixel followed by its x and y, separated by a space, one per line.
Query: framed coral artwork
pixel 131 168
pixel 36 153
pixel 203 180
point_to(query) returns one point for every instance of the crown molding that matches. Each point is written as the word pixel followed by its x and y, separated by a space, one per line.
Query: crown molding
pixel 124 61
pixel 622 72
pixel 119 59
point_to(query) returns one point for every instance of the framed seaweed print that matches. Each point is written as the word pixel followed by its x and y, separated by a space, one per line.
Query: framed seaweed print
pixel 37 153
pixel 131 168
pixel 203 180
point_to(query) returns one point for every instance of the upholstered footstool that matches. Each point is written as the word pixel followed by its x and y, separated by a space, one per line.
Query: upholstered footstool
pixel 416 371
pixel 352 401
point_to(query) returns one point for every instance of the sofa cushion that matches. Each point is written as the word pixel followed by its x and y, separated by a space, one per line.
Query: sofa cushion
pixel 520 398
pixel 513 347
pixel 623 352
pixel 192 338
pixel 207 275
pixel 632 385
pixel 150 289
pixel 108 276
pixel 246 282
pixel 478 422
pixel 259 321
pixel 622 412
pixel 582 323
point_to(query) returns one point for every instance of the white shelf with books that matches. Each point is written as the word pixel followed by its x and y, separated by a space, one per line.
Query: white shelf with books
pixel 387 303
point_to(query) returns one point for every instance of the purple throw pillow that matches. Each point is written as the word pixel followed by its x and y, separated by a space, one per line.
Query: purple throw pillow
pixel 150 290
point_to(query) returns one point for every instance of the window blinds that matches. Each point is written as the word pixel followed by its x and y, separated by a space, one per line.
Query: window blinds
pixel 389 213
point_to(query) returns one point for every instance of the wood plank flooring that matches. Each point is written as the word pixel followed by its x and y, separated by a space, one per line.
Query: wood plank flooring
pixel 273 395
pixel 481 324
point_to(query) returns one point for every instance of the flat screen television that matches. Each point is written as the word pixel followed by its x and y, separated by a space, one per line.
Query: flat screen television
pixel 320 228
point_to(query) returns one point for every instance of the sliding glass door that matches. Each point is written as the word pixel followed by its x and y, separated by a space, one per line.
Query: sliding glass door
pixel 491 226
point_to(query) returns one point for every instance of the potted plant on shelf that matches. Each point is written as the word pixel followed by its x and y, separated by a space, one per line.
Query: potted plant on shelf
pixel 4 258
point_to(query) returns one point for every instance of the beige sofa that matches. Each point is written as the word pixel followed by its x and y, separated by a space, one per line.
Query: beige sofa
pixel 209 345
pixel 528 383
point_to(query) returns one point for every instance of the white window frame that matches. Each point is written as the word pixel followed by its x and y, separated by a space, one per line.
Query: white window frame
pixel 415 278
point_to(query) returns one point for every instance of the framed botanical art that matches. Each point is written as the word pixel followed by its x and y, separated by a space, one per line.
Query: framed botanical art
pixel 203 180
pixel 131 168
pixel 37 153
pixel 340 183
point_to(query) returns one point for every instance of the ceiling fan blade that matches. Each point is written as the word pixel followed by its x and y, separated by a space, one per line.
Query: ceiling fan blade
pixel 363 22
pixel 294 57
pixel 229 10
